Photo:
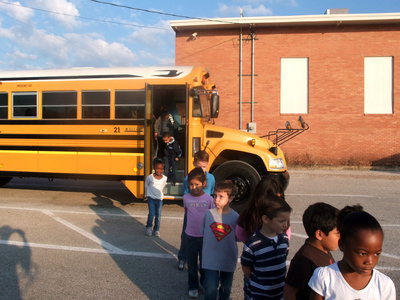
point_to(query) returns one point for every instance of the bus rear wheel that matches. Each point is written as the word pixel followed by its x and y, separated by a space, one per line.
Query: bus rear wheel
pixel 243 175
pixel 4 180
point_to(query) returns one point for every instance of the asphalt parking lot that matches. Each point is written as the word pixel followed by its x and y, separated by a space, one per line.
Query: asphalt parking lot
pixel 85 239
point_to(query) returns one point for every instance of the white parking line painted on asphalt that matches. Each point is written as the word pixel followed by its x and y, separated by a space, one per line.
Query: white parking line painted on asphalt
pixel 126 214
pixel 299 235
pixel 120 215
pixel 333 195
pixel 86 234
pixel 128 253
pixel 60 186
pixel 89 250
pixel 115 250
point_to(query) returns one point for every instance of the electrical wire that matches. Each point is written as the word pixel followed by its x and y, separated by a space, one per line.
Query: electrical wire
pixel 160 12
pixel 80 17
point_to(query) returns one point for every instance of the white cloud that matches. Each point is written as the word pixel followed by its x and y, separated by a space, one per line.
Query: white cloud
pixel 47 50
pixel 280 2
pixel 16 11
pixel 153 37
pixel 21 55
pixel 248 10
pixel 155 59
pixel 95 52
pixel 65 8
pixel 157 44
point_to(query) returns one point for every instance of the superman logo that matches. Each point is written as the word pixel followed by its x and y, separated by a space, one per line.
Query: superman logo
pixel 220 230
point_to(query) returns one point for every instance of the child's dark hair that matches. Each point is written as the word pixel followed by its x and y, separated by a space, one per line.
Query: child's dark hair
pixel 320 216
pixel 352 219
pixel 197 173
pixel 166 134
pixel 201 156
pixel 250 219
pixel 273 206
pixel 226 186
pixel 158 161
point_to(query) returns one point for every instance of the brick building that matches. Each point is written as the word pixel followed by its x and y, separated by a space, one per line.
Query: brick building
pixel 341 72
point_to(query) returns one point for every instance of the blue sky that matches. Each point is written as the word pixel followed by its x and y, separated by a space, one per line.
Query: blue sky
pixel 43 34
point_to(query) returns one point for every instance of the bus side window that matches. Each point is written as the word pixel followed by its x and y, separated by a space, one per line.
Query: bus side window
pixel 25 104
pixel 59 105
pixel 3 105
pixel 95 105
pixel 130 104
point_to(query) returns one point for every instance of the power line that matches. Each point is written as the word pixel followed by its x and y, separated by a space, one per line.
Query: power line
pixel 160 12
pixel 80 17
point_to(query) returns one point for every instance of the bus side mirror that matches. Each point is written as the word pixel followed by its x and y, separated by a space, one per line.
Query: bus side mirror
pixel 214 105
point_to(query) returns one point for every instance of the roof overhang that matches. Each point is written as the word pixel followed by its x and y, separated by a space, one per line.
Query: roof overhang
pixel 279 21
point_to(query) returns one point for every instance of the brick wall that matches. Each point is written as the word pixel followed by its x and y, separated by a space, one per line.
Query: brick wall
pixel 340 133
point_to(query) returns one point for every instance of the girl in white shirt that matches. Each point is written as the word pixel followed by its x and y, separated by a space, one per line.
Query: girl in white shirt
pixel 154 186
pixel 354 277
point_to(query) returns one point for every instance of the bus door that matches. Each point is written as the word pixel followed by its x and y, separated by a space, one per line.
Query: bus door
pixel 149 141
pixel 169 102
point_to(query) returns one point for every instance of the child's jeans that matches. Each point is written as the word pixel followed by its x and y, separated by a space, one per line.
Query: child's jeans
pixel 155 207
pixel 194 247
pixel 183 247
pixel 170 168
pixel 217 285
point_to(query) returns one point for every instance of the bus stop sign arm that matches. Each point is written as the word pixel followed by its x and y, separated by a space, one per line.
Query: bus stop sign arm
pixel 282 135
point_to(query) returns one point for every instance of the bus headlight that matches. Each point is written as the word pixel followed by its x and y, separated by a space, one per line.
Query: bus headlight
pixel 276 164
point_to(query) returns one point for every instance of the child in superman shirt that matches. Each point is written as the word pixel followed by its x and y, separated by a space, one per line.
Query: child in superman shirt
pixel 220 251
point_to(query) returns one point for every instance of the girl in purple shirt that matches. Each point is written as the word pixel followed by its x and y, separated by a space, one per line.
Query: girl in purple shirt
pixel 196 204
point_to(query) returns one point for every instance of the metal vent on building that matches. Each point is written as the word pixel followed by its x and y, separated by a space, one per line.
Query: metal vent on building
pixel 336 11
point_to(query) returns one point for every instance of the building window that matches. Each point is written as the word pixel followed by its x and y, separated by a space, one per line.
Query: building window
pixel 378 85
pixel 294 85
pixel 3 106
pixel 130 104
pixel 59 105
pixel 96 105
pixel 25 105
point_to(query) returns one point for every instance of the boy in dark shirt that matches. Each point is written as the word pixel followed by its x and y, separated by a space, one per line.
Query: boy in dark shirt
pixel 172 153
pixel 319 221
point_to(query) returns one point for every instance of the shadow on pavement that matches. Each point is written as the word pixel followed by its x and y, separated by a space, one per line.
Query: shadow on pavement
pixel 15 267
pixel 157 277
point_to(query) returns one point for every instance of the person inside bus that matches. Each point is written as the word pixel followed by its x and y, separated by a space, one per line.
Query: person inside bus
pixel 172 153
pixel 163 124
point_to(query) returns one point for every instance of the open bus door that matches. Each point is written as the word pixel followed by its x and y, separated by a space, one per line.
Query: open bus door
pixel 171 99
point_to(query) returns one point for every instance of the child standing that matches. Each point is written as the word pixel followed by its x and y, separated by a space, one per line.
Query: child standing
pixel 320 223
pixel 219 244
pixel 354 277
pixel 264 254
pixel 200 160
pixel 196 204
pixel 154 186
pixel 172 153
pixel 250 219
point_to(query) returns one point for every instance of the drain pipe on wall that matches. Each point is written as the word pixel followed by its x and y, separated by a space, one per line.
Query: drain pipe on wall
pixel 252 76
pixel 241 74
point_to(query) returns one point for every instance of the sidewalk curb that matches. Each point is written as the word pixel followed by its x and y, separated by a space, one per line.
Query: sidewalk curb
pixel 388 174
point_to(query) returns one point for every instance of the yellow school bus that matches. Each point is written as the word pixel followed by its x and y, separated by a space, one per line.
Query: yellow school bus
pixel 98 124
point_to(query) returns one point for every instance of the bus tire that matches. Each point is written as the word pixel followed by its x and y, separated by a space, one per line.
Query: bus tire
pixel 243 175
pixel 4 180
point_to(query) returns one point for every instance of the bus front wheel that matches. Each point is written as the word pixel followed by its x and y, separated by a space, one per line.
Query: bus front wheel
pixel 243 175
pixel 4 180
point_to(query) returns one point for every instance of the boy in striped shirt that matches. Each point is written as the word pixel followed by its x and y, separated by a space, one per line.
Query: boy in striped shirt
pixel 264 254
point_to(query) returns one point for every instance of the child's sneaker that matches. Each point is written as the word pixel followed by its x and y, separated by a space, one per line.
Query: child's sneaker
pixel 149 232
pixel 193 293
pixel 156 233
pixel 181 265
